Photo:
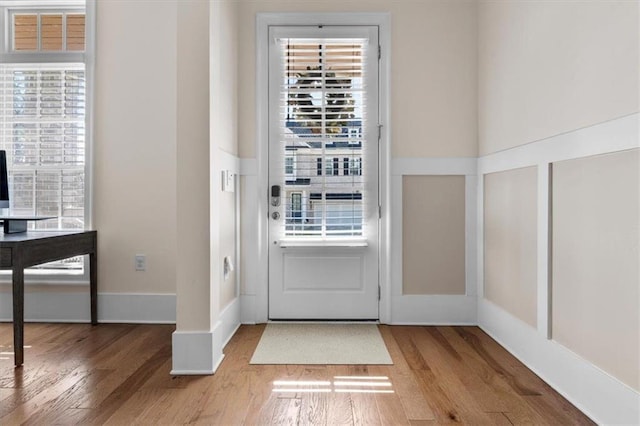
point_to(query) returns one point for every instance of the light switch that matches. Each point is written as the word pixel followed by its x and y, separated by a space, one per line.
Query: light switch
pixel 228 181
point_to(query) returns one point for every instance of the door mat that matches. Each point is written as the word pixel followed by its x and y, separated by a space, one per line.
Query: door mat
pixel 312 343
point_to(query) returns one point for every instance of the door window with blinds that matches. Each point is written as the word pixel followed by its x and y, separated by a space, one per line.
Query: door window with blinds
pixel 323 133
pixel 43 113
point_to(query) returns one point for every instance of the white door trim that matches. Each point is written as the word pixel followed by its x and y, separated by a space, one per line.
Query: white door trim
pixel 263 22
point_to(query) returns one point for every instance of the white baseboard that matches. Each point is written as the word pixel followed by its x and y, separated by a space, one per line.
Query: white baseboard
pixel 69 307
pixel 200 352
pixel 433 310
pixel 196 352
pixel 229 321
pixel 600 396
pixel 137 308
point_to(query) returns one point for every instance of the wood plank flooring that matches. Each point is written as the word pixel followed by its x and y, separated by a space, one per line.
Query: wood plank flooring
pixel 118 374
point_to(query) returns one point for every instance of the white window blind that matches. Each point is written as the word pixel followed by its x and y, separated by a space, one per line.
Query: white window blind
pixel 321 119
pixel 43 116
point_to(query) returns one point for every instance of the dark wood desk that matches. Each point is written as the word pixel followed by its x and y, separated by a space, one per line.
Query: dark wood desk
pixel 22 250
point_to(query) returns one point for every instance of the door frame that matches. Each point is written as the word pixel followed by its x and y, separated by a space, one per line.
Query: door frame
pixel 263 22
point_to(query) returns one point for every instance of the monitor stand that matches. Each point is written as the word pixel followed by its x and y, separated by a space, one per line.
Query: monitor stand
pixel 17 224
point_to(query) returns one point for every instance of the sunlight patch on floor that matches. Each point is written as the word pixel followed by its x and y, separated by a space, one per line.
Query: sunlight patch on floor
pixel 340 384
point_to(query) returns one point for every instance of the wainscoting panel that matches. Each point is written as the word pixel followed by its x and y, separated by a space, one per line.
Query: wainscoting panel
pixel 581 234
pixel 595 280
pixel 433 273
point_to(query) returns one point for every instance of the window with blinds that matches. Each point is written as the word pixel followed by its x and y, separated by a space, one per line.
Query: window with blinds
pixel 322 136
pixel 47 31
pixel 43 117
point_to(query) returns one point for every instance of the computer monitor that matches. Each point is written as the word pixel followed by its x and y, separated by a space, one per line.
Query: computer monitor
pixel 4 181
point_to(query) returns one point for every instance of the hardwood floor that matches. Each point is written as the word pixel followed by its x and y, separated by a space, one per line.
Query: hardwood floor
pixel 119 375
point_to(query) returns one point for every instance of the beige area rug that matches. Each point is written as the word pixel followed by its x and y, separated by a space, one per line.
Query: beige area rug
pixel 328 343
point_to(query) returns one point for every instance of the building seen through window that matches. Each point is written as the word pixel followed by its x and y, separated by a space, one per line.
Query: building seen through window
pixel 323 110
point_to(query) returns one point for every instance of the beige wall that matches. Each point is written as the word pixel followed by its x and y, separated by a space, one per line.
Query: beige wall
pixel 152 148
pixel 510 246
pixel 433 72
pixel 596 290
pixel 548 67
pixel 135 145
pixel 192 256
pixel 224 141
pixel 224 83
pixel 433 235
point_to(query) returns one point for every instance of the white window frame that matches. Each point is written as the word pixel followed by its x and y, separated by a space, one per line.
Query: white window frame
pixel 7 55
pixel 329 166
pixel 263 22
pixel 292 165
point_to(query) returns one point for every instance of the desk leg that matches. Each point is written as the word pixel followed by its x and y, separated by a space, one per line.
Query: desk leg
pixel 18 315
pixel 93 284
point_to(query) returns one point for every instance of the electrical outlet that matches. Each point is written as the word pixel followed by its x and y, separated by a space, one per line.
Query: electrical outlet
pixel 141 262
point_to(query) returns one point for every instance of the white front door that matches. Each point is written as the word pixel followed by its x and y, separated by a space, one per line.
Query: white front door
pixel 323 172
